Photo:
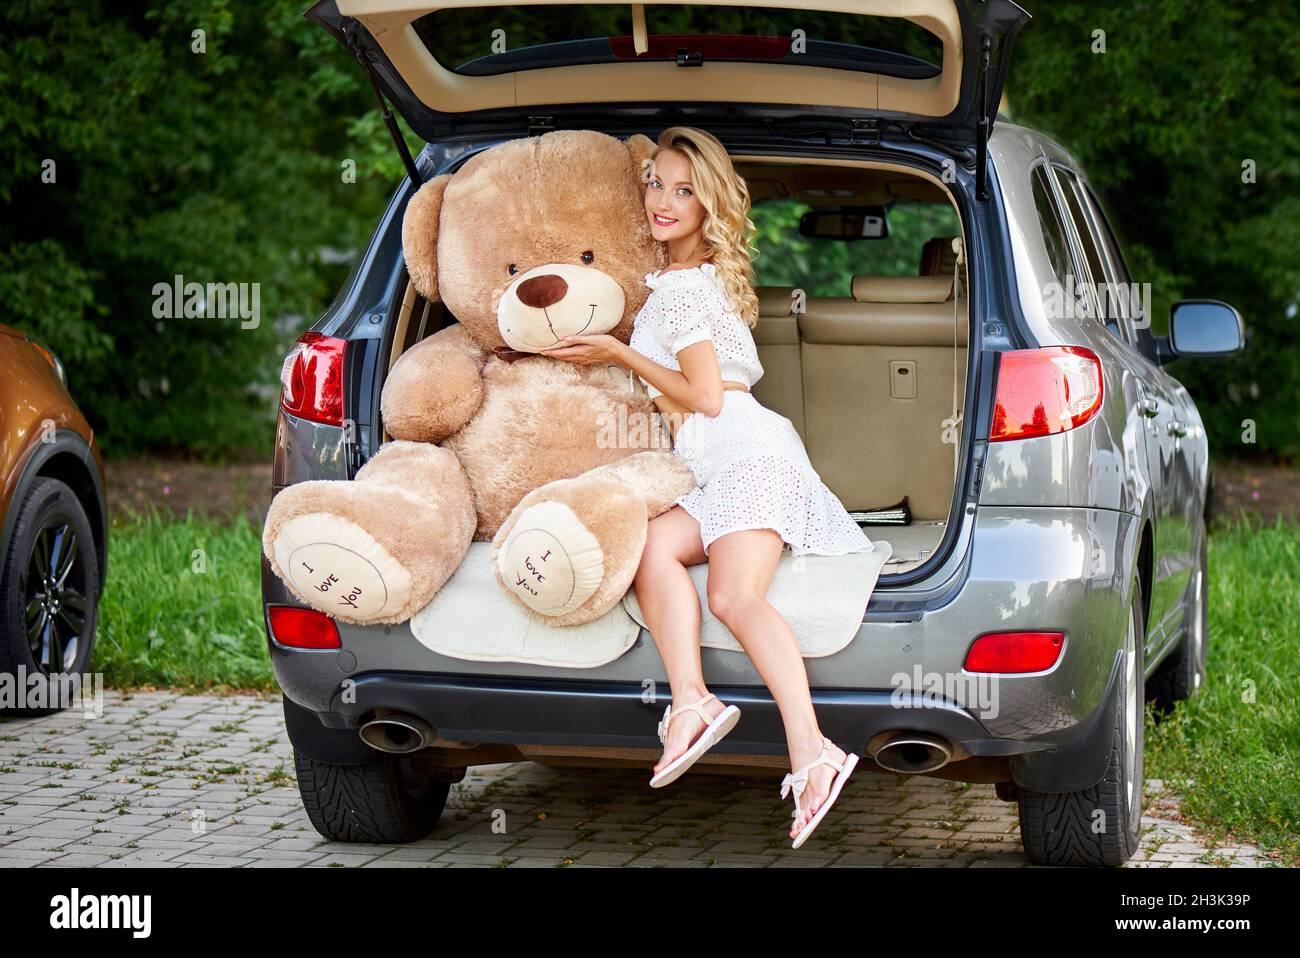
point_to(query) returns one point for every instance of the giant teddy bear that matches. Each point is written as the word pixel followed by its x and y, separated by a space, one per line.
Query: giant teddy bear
pixel 528 242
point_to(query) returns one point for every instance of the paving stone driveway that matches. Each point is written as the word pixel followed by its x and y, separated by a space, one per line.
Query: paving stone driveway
pixel 169 779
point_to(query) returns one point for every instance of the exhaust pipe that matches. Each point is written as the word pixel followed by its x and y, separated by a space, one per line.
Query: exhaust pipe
pixel 398 734
pixel 913 753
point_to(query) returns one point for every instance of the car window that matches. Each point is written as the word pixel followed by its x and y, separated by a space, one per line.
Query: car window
pixel 1115 296
pixel 491 40
pixel 1141 324
pixel 826 267
pixel 1058 250
pixel 1084 232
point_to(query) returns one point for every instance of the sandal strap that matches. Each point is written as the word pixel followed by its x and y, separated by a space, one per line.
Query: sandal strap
pixel 669 715
pixel 798 781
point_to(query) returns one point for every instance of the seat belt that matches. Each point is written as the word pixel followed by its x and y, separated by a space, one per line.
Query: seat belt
pixel 951 424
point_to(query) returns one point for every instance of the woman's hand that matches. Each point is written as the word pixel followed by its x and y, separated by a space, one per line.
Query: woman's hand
pixel 601 349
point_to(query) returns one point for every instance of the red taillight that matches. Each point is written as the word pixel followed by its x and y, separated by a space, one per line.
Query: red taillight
pixel 1015 652
pixel 303 628
pixel 1042 391
pixel 311 381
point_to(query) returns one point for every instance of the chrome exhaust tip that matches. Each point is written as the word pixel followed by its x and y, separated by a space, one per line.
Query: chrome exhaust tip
pixel 397 734
pixel 913 753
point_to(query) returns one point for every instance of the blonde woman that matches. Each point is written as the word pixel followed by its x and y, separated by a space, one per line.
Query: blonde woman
pixel 757 492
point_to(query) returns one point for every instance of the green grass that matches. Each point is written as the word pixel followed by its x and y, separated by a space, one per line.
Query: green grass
pixel 1231 751
pixel 182 606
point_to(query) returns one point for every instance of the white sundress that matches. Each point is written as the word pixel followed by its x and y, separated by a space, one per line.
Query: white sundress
pixel 750 466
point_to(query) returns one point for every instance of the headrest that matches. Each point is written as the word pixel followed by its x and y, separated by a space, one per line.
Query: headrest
pixel 775 300
pixel 938 257
pixel 902 289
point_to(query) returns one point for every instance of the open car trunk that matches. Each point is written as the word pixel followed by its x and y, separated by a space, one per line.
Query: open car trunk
pixel 871 370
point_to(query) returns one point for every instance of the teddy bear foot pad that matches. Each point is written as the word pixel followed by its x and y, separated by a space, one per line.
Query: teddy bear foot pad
pixel 337 567
pixel 550 560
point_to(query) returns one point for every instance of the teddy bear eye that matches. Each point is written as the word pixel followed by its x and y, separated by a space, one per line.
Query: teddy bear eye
pixel 588 257
pixel 512 269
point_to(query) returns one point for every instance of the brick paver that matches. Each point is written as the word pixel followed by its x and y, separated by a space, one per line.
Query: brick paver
pixel 174 780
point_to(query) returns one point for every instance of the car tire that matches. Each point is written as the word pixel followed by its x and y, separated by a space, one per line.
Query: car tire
pixel 1183 671
pixel 384 800
pixel 1062 828
pixel 49 589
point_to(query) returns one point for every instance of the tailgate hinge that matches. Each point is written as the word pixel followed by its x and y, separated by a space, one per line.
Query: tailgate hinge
pixel 352 34
pixel 866 131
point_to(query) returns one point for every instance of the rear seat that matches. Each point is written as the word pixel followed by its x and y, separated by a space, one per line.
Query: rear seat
pixel 777 337
pixel 877 376
pixel 867 381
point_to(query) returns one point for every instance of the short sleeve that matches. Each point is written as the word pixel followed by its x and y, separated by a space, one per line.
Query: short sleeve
pixel 688 315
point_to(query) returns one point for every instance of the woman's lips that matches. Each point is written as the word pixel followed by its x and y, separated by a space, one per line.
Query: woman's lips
pixel 663 220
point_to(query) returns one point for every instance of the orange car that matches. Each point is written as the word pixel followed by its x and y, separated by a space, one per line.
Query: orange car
pixel 55 519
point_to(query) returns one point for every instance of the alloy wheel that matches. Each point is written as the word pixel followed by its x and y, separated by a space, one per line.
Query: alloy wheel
pixel 54 596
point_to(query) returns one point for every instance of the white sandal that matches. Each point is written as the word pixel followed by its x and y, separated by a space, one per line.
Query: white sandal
pixel 714 730
pixel 799 781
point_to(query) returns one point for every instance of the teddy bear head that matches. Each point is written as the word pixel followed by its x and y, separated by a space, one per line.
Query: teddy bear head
pixel 536 239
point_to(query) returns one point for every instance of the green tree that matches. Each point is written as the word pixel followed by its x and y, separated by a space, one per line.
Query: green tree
pixel 1186 116
pixel 201 138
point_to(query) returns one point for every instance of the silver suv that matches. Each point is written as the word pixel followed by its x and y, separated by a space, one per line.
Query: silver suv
pixel 1004 389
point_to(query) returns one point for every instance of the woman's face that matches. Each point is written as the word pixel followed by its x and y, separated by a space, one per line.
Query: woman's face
pixel 671 204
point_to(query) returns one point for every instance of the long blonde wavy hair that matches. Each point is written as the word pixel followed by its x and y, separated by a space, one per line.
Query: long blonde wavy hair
pixel 728 230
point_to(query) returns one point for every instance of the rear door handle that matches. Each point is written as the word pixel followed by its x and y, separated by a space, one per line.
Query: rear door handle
pixel 1150 407
pixel 1177 428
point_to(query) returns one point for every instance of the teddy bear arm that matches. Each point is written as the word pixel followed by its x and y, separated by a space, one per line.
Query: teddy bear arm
pixel 435 388
pixel 658 477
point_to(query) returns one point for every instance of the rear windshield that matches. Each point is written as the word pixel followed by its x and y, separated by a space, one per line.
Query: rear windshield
pixel 480 41
pixel 826 267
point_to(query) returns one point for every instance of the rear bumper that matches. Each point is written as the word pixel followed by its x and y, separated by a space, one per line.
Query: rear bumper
pixel 1043 568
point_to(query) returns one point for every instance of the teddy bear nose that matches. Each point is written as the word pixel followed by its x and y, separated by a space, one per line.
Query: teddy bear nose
pixel 542 291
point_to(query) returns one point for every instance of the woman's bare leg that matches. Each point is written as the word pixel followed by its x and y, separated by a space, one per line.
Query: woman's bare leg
pixel 671 607
pixel 741 565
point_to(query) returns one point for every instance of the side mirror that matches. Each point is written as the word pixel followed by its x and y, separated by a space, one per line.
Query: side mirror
pixel 1204 327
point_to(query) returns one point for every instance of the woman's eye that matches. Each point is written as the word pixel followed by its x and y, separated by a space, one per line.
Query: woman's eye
pixel 655 184
pixel 588 258
pixel 684 191
pixel 512 269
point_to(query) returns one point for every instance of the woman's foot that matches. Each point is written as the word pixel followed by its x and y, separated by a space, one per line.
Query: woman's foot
pixel 684 727
pixel 820 778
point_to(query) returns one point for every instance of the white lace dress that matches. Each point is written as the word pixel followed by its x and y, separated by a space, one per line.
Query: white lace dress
pixel 750 465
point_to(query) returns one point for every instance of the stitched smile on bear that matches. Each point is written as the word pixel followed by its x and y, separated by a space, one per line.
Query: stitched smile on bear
pixel 555 300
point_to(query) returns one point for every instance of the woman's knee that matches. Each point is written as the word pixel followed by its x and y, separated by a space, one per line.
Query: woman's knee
pixel 731 603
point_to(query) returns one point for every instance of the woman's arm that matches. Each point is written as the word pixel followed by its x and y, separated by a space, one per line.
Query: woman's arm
pixel 698 386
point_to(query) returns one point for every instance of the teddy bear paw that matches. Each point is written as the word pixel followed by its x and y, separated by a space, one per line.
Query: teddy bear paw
pixel 551 561
pixel 336 566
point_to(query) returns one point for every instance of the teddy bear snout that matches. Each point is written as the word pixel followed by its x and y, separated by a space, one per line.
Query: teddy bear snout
pixel 542 291
pixel 554 300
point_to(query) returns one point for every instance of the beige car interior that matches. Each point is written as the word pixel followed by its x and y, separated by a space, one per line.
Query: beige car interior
pixel 872 380
pixel 444 90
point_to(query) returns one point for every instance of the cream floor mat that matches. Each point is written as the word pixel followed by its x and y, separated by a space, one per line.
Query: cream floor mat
pixel 472 618
pixel 822 597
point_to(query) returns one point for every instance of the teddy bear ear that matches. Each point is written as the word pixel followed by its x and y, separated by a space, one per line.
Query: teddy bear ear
pixel 420 235
pixel 642 149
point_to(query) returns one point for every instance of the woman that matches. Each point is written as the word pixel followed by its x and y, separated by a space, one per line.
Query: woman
pixel 757 493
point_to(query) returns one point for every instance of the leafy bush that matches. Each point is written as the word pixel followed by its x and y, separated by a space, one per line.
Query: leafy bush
pixel 135 153
pixel 1187 102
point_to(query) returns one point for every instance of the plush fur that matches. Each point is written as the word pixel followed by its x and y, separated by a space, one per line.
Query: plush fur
pixel 565 210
